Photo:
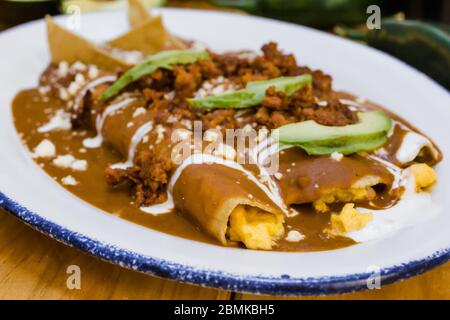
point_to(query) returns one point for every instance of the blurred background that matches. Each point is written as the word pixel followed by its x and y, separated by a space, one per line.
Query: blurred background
pixel 415 31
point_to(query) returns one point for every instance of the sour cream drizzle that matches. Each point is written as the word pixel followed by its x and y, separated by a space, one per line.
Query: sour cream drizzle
pixel 90 86
pixel 96 141
pixel 140 133
pixel 396 171
pixel 413 209
pixel 411 146
pixel 201 158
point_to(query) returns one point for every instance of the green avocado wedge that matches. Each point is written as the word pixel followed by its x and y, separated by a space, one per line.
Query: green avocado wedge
pixel 164 60
pixel 253 94
pixel 368 134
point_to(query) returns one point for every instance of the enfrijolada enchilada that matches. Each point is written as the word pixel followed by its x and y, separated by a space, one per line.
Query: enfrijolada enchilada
pixel 139 126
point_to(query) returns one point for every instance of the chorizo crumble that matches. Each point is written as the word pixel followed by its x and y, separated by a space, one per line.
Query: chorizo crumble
pixel 165 92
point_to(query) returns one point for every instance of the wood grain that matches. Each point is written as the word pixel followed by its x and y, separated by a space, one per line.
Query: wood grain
pixel 434 284
pixel 33 266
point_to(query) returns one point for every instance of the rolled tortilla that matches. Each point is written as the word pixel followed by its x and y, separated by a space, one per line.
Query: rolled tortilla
pixel 67 46
pixel 228 206
pixel 325 180
pixel 416 147
pixel 222 201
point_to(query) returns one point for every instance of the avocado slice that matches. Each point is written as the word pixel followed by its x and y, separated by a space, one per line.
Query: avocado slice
pixel 253 94
pixel 368 134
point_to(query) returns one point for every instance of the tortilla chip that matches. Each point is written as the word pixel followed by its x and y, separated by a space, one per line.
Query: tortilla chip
pixel 67 46
pixel 149 37
pixel 138 14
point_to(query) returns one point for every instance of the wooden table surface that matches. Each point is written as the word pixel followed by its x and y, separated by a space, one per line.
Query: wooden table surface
pixel 34 266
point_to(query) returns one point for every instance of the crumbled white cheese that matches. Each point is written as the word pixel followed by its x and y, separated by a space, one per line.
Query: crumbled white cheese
pixel 69 161
pixel 201 93
pixel 63 68
pixel 187 123
pixel 60 121
pixel 214 87
pixel 139 111
pixel 218 90
pixel 336 156
pixel 170 95
pixel 79 165
pixel 172 119
pixel 130 124
pixel 181 134
pixel 69 181
pixel 45 149
pixel 294 236
pixel 131 57
pixel 63 94
pixel 278 175
pixel 93 72
pixel 160 133
pixel 78 66
pixel 64 161
pixel 73 88
pixel 44 90
pixel 247 128
pixel 79 78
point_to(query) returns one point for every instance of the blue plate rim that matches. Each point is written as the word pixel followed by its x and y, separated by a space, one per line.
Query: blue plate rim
pixel 283 285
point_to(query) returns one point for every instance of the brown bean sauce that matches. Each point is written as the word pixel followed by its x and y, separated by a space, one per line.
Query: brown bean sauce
pixel 31 111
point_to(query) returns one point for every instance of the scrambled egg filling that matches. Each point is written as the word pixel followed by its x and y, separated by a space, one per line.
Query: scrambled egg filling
pixel 424 176
pixel 255 228
pixel 348 220
pixel 341 195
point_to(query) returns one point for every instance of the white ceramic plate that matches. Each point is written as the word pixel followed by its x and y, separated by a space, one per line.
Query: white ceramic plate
pixel 35 198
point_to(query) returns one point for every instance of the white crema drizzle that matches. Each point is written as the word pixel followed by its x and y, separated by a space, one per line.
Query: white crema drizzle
pixel 201 158
pixel 412 209
pixel 89 86
pixel 412 145
pixel 138 136
pixel 96 142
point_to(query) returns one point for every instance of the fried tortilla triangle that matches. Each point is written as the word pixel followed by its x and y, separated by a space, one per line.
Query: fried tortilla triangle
pixel 148 38
pixel 67 46
pixel 138 14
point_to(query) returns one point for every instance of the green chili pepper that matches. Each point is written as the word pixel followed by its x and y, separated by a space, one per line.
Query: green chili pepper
pixel 253 94
pixel 163 60
pixel 315 13
pixel 425 46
